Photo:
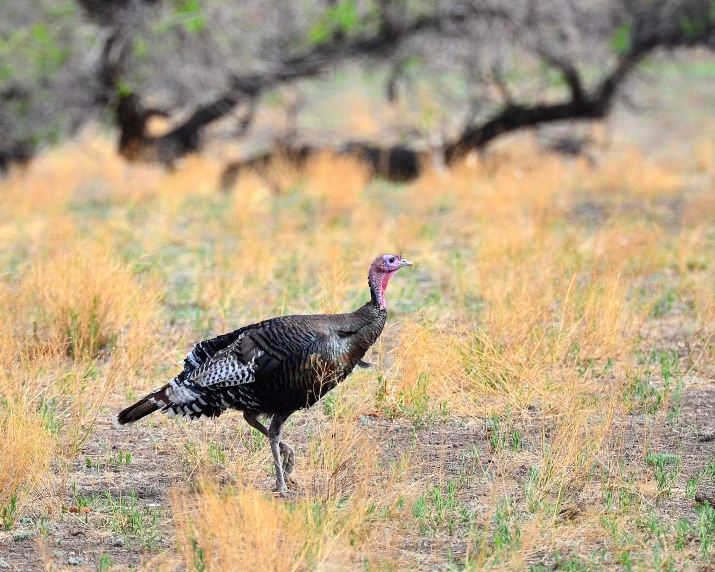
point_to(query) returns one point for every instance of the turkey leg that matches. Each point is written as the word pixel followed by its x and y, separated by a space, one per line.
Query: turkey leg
pixel 274 436
pixel 286 450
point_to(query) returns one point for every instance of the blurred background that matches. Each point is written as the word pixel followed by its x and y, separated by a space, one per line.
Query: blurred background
pixel 543 395
pixel 394 83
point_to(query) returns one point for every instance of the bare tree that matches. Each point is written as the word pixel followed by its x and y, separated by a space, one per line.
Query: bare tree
pixel 509 64
pixel 565 39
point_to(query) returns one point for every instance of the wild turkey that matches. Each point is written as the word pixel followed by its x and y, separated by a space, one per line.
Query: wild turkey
pixel 275 367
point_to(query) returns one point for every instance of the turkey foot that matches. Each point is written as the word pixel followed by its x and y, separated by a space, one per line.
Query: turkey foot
pixel 286 494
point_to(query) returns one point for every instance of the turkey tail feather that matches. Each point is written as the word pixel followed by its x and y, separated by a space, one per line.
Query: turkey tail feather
pixel 143 407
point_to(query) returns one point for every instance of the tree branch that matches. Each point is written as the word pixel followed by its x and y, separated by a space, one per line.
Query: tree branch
pixel 185 137
pixel 570 74
pixel 646 34
pixel 581 105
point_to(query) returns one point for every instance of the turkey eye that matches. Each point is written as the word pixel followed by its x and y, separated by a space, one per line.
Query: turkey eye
pixel 392 259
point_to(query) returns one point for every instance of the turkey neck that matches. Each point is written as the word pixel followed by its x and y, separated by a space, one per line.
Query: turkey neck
pixel 375 298
pixel 370 320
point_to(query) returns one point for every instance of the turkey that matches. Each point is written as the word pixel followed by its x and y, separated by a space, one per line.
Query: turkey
pixel 275 367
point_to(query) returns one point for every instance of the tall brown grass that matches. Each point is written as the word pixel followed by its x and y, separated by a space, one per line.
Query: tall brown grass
pixel 341 486
pixel 79 325
pixel 26 450
pixel 86 302
pixel 242 528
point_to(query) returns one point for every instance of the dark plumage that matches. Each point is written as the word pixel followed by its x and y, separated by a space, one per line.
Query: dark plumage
pixel 274 367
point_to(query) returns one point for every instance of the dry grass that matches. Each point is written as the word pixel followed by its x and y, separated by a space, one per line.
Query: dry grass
pixel 330 523
pixel 86 302
pixel 232 526
pixel 80 325
pixel 26 448
pixel 540 285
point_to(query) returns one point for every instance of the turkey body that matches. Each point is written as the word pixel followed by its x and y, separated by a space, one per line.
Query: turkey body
pixel 277 366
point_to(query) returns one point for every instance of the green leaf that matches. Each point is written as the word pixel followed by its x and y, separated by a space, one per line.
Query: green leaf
pixel 41 33
pixel 343 17
pixel 192 17
pixel 46 50
pixel 621 42
pixel 346 16
pixel 319 34
pixel 123 88
pixel 6 72
pixel 141 48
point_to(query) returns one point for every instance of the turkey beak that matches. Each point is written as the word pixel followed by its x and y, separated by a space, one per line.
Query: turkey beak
pixel 404 262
